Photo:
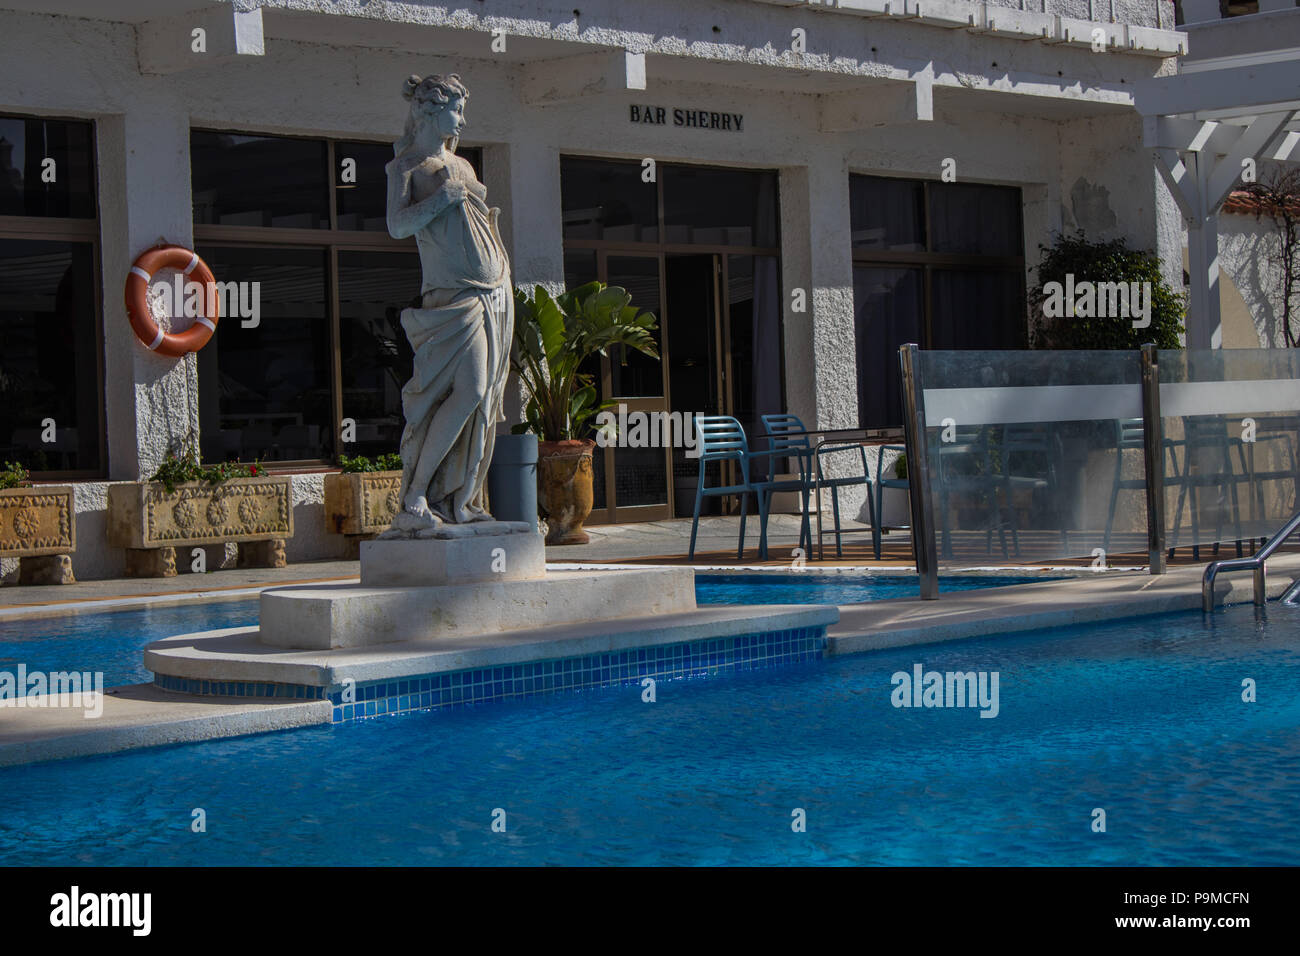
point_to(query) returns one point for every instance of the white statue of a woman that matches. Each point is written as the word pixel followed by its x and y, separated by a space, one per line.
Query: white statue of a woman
pixel 461 335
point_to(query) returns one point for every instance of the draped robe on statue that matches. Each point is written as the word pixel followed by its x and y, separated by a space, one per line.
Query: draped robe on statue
pixel 466 294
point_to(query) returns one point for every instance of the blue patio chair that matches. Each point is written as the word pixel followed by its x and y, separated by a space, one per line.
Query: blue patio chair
pixel 721 438
pixel 1207 464
pixel 788 436
pixel 881 483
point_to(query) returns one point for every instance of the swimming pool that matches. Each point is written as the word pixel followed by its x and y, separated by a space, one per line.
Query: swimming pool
pixel 1142 718
pixel 803 587
pixel 111 642
pixel 114 642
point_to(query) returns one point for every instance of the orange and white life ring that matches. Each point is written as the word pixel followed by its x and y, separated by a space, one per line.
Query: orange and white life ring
pixel 137 300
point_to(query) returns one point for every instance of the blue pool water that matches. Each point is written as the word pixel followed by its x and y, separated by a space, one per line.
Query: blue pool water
pixel 802 587
pixel 114 643
pixel 1142 718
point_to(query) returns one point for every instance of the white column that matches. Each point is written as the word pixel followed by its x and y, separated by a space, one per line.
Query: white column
pixel 821 373
pixel 523 178
pixel 817 258
pixel 150 401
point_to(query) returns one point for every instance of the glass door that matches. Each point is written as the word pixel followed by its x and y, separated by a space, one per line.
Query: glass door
pixel 634 471
pixel 698 373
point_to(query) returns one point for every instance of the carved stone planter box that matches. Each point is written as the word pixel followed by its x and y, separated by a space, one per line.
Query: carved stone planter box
pixel 151 522
pixel 361 504
pixel 38 526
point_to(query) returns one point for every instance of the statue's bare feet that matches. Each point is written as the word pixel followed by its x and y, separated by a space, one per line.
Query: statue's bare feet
pixel 471 513
pixel 418 506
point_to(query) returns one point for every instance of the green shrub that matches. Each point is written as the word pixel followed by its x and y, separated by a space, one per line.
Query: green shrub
pixel 391 461
pixel 178 469
pixel 1097 262
pixel 14 475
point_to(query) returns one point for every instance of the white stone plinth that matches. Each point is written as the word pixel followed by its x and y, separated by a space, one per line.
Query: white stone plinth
pixel 503 551
pixel 356 616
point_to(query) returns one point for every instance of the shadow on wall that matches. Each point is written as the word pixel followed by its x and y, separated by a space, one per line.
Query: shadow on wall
pixel 1239 328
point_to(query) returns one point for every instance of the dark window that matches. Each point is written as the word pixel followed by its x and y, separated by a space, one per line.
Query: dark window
pixel 264 392
pixel 361 183
pixel 887 214
pixel 241 180
pixel 711 206
pixel 976 220
pixel 977 309
pixel 374 287
pixel 49 364
pixel 888 308
pixel 604 199
pixel 938 264
pixel 47 168
pixel 322 374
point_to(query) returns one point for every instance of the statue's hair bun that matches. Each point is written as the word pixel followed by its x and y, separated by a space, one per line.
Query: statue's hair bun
pixel 410 86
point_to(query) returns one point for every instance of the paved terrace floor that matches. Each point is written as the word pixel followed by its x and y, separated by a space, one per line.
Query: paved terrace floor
pixel 646 543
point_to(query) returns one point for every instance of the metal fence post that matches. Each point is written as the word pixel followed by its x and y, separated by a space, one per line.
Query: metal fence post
pixel 1153 435
pixel 918 475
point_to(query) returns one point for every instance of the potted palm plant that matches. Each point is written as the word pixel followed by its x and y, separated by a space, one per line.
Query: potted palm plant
pixel 553 337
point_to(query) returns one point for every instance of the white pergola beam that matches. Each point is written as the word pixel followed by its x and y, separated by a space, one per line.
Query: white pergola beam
pixel 1169 132
pixel 1249 88
pixel 202 38
pixel 1250 145
pixel 1286 147
pixel 570 78
pixel 1180 181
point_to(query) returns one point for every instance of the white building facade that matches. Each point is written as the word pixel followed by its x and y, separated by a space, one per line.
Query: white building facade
pixel 794 188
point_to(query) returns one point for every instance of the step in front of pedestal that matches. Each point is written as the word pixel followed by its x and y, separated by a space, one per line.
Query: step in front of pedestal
pixel 364 682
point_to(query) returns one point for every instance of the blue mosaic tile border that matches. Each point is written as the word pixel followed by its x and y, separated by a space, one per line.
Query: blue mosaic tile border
pixel 742 652
pixel 231 688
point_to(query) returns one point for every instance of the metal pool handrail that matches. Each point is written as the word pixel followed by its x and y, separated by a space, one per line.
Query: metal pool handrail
pixel 1255 563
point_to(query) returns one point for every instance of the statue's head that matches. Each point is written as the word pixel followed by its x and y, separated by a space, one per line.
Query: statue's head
pixel 438 101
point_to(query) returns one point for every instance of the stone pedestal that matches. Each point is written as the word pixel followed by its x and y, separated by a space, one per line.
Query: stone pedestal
pixel 46 569
pixel 327 617
pixel 489 551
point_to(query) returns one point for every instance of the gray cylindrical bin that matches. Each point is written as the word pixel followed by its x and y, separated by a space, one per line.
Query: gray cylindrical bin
pixel 512 479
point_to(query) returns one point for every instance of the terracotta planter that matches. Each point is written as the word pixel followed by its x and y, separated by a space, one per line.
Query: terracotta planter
pixel 564 488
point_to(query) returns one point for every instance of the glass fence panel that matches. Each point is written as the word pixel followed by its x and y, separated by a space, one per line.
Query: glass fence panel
pixel 1035 456
pixel 1231 419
